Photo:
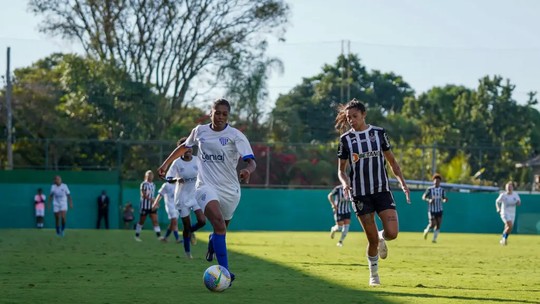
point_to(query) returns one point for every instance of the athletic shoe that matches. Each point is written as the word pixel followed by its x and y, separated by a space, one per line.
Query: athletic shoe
pixel 193 239
pixel 179 241
pixel 383 249
pixel 374 280
pixel 503 242
pixel 163 239
pixel 434 241
pixel 138 239
pixel 332 232
pixel 233 277
pixel 210 252
pixel 426 233
pixel 188 255
pixel 339 244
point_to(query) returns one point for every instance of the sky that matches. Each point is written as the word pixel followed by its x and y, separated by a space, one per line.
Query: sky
pixel 429 43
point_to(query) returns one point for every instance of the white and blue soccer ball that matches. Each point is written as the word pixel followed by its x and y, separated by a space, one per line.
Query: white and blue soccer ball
pixel 217 278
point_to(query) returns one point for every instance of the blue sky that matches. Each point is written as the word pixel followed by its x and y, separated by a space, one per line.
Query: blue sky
pixel 430 43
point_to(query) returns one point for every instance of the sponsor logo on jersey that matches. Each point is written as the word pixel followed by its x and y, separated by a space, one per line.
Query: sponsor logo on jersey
pixel 213 157
pixel 357 156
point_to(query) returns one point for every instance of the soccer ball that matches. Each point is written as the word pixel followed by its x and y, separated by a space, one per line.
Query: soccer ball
pixel 217 278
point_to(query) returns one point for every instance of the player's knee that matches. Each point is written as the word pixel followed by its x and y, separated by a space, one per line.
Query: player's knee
pixel 390 235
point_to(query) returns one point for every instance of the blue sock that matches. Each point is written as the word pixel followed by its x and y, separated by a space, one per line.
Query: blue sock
pixel 63 226
pixel 176 235
pixel 167 233
pixel 57 229
pixel 187 245
pixel 220 247
pixel 505 235
pixel 196 227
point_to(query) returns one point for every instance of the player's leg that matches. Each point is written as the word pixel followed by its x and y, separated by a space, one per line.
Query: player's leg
pixel 174 227
pixel 201 221
pixel 186 233
pixel 334 228
pixel 154 218
pixel 345 231
pixel 437 227
pixel 386 209
pixel 217 243
pixel 508 226
pixel 63 218
pixel 370 228
pixel 139 225
pixel 429 225
pixel 57 221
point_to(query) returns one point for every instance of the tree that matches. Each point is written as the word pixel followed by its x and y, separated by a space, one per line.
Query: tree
pixel 166 43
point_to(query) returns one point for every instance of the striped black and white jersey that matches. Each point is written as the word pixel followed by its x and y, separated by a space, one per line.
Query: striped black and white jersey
pixel 148 188
pixel 338 197
pixel 436 195
pixel 365 152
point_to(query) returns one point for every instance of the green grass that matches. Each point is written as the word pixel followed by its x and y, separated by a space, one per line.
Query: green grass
pixel 90 266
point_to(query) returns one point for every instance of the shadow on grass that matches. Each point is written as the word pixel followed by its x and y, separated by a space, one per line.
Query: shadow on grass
pixel 454 298
pixel 89 266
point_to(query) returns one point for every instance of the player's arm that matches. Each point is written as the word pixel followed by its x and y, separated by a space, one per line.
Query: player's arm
pixel 176 153
pixel 396 170
pixel 155 205
pixel 330 199
pixel 445 198
pixel 343 178
pixel 246 172
pixel 70 200
pixel 498 203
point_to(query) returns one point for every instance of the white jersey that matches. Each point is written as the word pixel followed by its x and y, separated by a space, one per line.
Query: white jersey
pixel 187 170
pixel 59 193
pixel 167 191
pixel 219 152
pixel 508 203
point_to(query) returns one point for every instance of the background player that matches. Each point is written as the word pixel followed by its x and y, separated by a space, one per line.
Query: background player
pixel 167 193
pixel 147 199
pixel 506 206
pixel 435 196
pixel 184 170
pixel 60 196
pixel 342 213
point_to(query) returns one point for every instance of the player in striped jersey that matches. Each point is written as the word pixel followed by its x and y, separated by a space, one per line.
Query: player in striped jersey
pixel 148 190
pixel 435 196
pixel 506 206
pixel 218 189
pixel 366 149
pixel 342 213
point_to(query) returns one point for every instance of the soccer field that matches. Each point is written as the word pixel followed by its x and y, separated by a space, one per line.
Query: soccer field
pixel 89 266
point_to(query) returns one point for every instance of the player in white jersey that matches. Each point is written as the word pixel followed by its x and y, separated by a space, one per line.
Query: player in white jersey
pixel 506 206
pixel 183 172
pixel 167 193
pixel 60 196
pixel 218 186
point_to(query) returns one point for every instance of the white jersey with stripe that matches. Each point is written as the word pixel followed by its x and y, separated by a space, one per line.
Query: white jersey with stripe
pixel 508 202
pixel 219 153
pixel 187 170
pixel 365 152
pixel 59 193
pixel 436 195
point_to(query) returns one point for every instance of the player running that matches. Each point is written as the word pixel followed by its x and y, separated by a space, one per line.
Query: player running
pixel 435 196
pixel 167 193
pixel 342 213
pixel 147 199
pixel 506 206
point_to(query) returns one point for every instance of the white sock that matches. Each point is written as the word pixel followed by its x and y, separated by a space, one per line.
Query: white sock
pixel 157 229
pixel 344 232
pixel 138 229
pixel 381 234
pixel 373 263
pixel 336 228
pixel 435 234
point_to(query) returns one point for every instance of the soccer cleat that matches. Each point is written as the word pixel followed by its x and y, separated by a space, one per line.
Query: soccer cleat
pixel 374 280
pixel 332 232
pixel 210 253
pixel 232 278
pixel 163 239
pixel 339 244
pixel 179 241
pixel 193 239
pixel 383 249
pixel 426 234
pixel 138 239
pixel 503 242
pixel 188 255
pixel 434 241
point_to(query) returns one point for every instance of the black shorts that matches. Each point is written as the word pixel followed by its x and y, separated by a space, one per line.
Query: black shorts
pixel 339 217
pixel 148 211
pixel 434 214
pixel 376 202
